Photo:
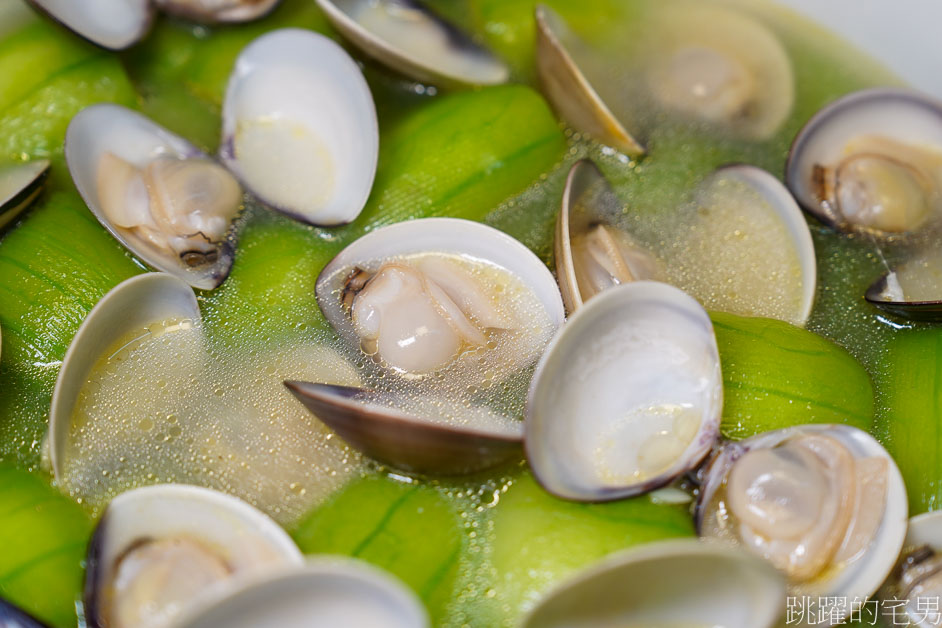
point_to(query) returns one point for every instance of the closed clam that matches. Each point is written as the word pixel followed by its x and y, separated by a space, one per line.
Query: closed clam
pixel 111 24
pixel 825 504
pixel 406 36
pixel 157 194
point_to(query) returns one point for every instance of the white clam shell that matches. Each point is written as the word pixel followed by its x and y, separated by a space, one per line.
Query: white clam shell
pixel 628 360
pixel 134 138
pixel 218 11
pixel 112 24
pixel 407 37
pixel 326 593
pixel 446 235
pixel 862 578
pixel 249 541
pixel 299 127
pixel 131 305
pixel 669 583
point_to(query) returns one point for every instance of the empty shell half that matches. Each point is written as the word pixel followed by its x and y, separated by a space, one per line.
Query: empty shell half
pixel 299 127
pixel 408 37
pixel 627 397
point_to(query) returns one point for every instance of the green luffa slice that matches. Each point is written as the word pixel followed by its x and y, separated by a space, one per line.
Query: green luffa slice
pixel 909 385
pixel 44 537
pixel 408 529
pixel 776 375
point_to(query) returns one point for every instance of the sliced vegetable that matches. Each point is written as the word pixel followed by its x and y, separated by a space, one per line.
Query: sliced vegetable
pixel 45 535
pixel 776 375
pixel 409 529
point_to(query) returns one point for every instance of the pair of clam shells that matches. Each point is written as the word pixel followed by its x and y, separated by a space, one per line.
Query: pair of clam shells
pixel 185 556
pixel 299 131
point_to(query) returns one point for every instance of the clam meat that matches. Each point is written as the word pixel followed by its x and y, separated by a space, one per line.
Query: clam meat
pixel 871 161
pixel 168 203
pixel 825 504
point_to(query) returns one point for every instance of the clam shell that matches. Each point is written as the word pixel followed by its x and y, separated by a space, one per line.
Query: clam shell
pixel 447 235
pixel 325 593
pixel 299 127
pixel 137 140
pixel 570 92
pixel 442 55
pixel 901 114
pixel 643 348
pixel 404 441
pixel 20 185
pixel 877 295
pixel 131 305
pixel 111 24
pixel 669 583
pixel 12 616
pixel 249 541
pixel 863 577
pixel 218 11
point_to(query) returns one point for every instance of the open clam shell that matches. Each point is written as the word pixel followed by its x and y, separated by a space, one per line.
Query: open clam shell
pixel 627 397
pixel 670 583
pixel 20 185
pixel 592 253
pixel 218 11
pixel 299 127
pixel 887 294
pixel 917 579
pixel 447 236
pixel 871 161
pixel 325 593
pixel 12 616
pixel 824 503
pixel 406 36
pixel 163 550
pixel 404 441
pixel 108 147
pixel 568 89
pixel 131 306
pixel 111 24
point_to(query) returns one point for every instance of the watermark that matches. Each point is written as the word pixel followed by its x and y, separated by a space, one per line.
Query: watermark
pixel 828 611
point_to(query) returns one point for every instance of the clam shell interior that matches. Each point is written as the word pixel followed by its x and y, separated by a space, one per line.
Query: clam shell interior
pixel 299 127
pixel 627 397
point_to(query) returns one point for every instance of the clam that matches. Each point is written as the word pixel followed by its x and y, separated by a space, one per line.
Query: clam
pixel 163 199
pixel 669 583
pixel 111 24
pixel 218 11
pixel 299 127
pixel 440 305
pixel 917 579
pixel 871 161
pixel 414 442
pixel 406 36
pixel 627 397
pixel 569 90
pixel 423 296
pixel 325 593
pixel 20 185
pixel 592 253
pixel 913 289
pixel 128 309
pixel 825 504
pixel 161 551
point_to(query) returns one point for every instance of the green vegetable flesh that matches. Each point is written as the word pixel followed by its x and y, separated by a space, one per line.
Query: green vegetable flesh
pixel 776 375
pixel 44 535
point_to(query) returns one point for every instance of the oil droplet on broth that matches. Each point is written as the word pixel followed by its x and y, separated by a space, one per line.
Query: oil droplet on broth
pixel 215 423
